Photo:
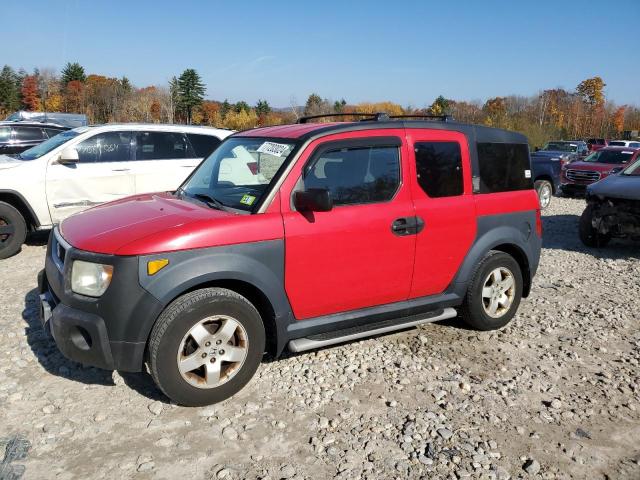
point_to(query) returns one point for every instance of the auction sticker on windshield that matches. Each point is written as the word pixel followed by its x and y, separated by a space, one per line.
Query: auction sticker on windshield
pixel 272 148
pixel 247 200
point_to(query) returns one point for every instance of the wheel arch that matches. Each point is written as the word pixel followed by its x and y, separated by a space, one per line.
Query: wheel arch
pixel 16 200
pixel 548 178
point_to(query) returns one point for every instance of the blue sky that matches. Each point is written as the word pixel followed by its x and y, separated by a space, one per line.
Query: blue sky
pixel 404 51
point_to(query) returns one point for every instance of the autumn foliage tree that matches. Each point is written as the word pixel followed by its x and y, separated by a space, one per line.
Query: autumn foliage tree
pixel 30 98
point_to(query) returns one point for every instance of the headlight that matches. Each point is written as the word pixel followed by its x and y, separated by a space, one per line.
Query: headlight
pixel 90 279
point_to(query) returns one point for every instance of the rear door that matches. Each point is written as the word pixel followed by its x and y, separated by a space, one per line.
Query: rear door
pixel 163 160
pixel 441 188
pixel 349 257
pixel 102 174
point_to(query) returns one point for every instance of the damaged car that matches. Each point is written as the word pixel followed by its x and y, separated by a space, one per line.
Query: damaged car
pixel 613 208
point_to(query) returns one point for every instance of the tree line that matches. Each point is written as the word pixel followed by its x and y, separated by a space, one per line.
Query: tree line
pixel 550 114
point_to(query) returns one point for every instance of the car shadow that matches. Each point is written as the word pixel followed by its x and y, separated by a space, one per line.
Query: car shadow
pixel 560 232
pixel 46 352
pixel 38 238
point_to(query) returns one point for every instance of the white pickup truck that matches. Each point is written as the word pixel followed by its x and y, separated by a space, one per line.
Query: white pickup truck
pixel 87 166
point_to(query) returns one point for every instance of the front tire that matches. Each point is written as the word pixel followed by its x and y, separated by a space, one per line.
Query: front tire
pixel 13 230
pixel 589 236
pixel 545 192
pixel 206 346
pixel 494 294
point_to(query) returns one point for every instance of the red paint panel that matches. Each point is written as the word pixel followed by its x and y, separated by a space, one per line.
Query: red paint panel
pixel 148 224
pixel 284 131
pixel 450 222
pixel 347 258
pixel 506 202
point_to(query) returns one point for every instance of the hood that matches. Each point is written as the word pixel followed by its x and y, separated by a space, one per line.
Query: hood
pixel 617 186
pixel 595 166
pixel 155 223
pixel 7 162
pixel 109 227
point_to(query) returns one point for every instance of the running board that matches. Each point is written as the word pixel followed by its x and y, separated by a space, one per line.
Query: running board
pixel 350 334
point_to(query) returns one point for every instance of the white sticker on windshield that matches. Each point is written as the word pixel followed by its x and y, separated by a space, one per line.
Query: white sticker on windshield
pixel 629 153
pixel 271 148
pixel 527 174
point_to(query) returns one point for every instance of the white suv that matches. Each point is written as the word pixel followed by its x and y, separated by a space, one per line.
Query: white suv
pixel 88 166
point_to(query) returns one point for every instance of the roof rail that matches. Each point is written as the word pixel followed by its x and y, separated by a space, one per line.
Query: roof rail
pixel 380 116
pixel 442 118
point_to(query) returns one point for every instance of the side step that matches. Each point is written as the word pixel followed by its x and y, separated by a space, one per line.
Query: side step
pixel 350 334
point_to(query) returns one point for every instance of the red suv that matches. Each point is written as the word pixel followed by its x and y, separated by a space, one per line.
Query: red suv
pixel 338 232
pixel 576 176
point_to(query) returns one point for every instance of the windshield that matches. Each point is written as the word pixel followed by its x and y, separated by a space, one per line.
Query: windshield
pixel 561 146
pixel 46 147
pixel 610 156
pixel 238 173
pixel 633 169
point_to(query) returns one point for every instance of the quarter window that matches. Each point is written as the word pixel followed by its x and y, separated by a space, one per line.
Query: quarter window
pixel 202 145
pixel 504 167
pixel 356 175
pixel 161 146
pixel 105 147
pixel 439 168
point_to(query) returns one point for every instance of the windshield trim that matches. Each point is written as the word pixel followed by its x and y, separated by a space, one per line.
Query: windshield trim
pixel 276 177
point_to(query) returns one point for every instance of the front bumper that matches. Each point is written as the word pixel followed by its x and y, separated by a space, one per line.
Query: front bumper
pixel 109 332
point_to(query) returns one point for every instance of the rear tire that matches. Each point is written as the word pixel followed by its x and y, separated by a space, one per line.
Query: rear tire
pixel 206 346
pixel 494 294
pixel 13 230
pixel 545 192
pixel 589 235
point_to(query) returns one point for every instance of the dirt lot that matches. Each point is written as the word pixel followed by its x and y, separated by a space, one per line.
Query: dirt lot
pixel 556 394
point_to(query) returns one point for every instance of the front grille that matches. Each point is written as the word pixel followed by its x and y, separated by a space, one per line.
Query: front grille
pixel 586 176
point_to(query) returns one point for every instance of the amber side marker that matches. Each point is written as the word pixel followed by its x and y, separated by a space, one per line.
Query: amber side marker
pixel 154 266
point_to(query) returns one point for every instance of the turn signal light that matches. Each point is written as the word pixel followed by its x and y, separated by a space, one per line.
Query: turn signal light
pixel 154 266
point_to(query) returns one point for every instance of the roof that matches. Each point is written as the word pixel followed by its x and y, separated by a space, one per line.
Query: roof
pixel 306 131
pixel 616 148
pixel 162 127
pixel 32 124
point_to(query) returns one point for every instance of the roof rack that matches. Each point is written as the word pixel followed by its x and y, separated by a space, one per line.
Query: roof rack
pixel 376 117
pixel 442 118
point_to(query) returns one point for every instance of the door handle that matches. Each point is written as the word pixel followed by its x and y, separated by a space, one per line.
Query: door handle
pixel 407 226
pixel 121 170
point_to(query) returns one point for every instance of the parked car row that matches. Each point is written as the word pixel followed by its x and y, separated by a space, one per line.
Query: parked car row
pixel 87 166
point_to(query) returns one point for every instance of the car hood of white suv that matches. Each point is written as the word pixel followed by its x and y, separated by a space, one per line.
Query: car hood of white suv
pixel 9 162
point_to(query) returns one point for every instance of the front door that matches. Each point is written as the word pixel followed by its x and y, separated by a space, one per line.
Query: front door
pixel 443 198
pixel 349 257
pixel 102 174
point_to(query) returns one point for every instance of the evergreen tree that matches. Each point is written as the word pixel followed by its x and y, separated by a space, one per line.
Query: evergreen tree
pixel 71 72
pixel 263 108
pixel 10 85
pixel 241 106
pixel 190 92
pixel 226 107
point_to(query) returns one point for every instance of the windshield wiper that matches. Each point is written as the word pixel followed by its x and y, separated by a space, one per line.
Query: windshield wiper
pixel 208 199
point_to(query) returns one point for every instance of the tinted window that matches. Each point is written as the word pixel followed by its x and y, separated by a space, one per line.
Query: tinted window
pixel 52 132
pixel 27 134
pixel 105 147
pixel 439 168
pixel 203 145
pixel 160 146
pixel 504 167
pixel 5 134
pixel 356 175
pixel 634 145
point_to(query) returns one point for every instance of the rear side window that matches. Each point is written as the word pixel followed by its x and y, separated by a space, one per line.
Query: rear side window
pixel 439 168
pixel 203 145
pixel 504 167
pixel 161 146
pixel 52 132
pixel 26 134
pixel 105 147
pixel 356 175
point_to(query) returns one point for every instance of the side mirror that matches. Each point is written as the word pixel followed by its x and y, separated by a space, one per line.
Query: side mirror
pixel 313 200
pixel 68 156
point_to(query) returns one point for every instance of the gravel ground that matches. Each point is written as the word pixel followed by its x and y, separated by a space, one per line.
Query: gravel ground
pixel 556 394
